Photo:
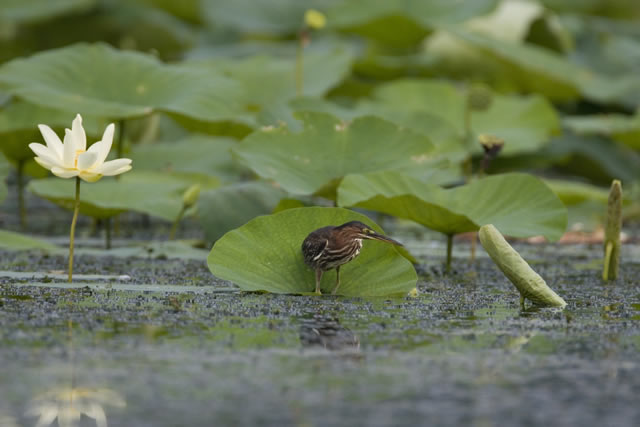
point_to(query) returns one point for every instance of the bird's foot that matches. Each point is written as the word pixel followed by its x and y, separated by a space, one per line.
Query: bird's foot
pixel 317 292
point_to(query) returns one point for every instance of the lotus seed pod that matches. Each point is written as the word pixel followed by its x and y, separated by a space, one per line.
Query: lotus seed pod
pixel 190 196
pixel 491 144
pixel 612 232
pixel 479 98
pixel 314 19
pixel 528 282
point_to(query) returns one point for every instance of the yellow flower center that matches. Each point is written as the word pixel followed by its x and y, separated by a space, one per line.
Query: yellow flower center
pixel 75 160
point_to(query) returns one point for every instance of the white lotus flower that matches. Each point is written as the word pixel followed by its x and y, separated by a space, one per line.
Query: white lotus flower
pixel 72 158
pixel 67 405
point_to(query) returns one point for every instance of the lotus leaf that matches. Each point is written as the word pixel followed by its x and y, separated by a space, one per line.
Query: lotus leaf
pixel 4 172
pixel 572 192
pixel 270 80
pixel 315 159
pixel 101 81
pixel 620 127
pixel 537 69
pixel 598 159
pixel 29 11
pixel 524 122
pixel 266 16
pixel 156 194
pixel 200 154
pixel 19 127
pixel 445 137
pixel 231 206
pixel 265 255
pixel 19 242
pixel 397 22
pixel 520 205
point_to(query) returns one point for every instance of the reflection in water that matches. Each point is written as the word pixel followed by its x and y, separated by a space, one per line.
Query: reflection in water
pixel 7 421
pixel 327 332
pixel 67 404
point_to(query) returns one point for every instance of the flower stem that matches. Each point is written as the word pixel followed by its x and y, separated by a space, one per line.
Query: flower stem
pixel 449 251
pixel 467 164
pixel 299 64
pixel 120 146
pixel 174 226
pixel 76 209
pixel 22 211
pixel 107 228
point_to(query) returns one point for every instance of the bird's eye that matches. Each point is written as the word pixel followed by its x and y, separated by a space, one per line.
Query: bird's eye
pixel 368 231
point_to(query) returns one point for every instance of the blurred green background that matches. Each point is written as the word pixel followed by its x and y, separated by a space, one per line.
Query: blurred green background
pixel 197 87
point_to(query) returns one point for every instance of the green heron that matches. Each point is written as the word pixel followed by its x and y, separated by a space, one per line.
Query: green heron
pixel 330 247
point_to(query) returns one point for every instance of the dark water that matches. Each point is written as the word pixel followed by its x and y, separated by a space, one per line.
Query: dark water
pixel 462 353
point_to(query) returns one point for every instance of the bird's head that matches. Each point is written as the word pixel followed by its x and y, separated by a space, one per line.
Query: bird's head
pixel 359 230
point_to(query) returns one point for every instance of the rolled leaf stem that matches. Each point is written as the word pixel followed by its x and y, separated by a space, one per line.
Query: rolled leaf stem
pixel 607 260
pixel 612 232
pixel 76 209
pixel 529 283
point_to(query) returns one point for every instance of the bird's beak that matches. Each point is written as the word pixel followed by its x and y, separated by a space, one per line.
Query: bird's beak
pixel 382 238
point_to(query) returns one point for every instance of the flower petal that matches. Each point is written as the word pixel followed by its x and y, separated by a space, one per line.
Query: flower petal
pixel 64 173
pixel 86 160
pixel 114 167
pixel 52 140
pixel 89 176
pixel 102 147
pixel 45 154
pixel 79 136
pixel 45 164
pixel 69 154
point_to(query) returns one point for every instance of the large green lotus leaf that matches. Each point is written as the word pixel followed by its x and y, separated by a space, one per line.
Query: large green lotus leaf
pixel 536 69
pixel 229 207
pixel 19 127
pixel 29 11
pixel 129 25
pixel 271 80
pixel 574 192
pixel 10 240
pixel 157 194
pixel 98 80
pixel 620 127
pixel 265 254
pixel 524 122
pixel 187 10
pixel 260 17
pixel 519 205
pixel 605 45
pixel 398 22
pixel 4 172
pixel 196 154
pixel 596 158
pixel 624 9
pixel 327 149
pixel 445 137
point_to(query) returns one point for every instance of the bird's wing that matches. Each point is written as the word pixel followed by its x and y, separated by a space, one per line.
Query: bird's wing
pixel 313 249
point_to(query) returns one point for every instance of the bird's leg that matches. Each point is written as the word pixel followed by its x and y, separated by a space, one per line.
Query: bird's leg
pixel 337 281
pixel 318 279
